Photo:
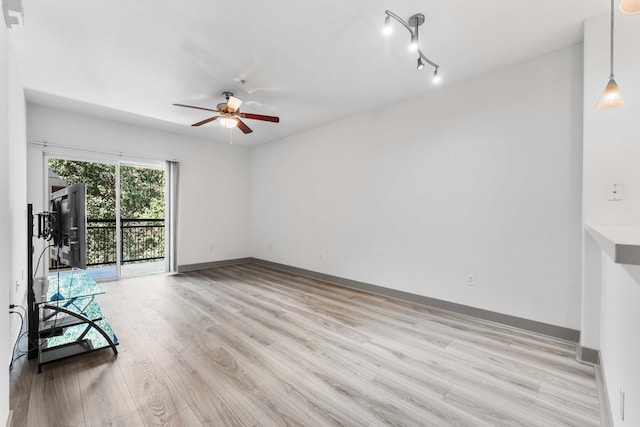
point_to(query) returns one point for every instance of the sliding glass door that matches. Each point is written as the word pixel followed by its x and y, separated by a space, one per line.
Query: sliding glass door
pixel 125 214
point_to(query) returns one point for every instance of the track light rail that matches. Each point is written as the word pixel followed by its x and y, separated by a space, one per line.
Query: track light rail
pixel 412 26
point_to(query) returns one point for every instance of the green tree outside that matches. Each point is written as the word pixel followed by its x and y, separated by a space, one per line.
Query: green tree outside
pixel 142 190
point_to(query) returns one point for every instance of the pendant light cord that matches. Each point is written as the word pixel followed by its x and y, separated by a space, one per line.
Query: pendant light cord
pixel 611 49
pixel 611 97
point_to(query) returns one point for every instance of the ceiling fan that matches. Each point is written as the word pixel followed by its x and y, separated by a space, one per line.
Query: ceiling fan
pixel 230 114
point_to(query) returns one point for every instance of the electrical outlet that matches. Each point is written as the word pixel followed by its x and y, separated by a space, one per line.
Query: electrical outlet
pixel 614 193
pixel 321 254
pixel 621 403
pixel 471 280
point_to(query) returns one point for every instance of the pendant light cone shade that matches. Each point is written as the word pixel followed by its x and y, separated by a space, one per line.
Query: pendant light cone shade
pixel 630 7
pixel 611 97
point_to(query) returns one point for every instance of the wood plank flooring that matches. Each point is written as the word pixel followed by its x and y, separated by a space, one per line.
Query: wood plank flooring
pixel 250 346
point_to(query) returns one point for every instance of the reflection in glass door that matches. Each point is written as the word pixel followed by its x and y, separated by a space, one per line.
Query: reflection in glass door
pixel 100 180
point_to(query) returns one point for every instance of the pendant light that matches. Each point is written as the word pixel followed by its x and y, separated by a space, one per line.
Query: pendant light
pixel 630 7
pixel 612 96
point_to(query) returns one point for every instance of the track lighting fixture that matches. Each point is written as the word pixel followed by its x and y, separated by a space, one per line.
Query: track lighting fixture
pixel 612 96
pixel 412 26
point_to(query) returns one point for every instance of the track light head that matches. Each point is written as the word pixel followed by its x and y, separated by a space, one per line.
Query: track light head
pixel 415 21
pixel 386 30
pixel 436 77
pixel 420 64
pixel 413 45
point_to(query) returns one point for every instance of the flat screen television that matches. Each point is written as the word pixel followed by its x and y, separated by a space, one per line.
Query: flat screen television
pixel 69 226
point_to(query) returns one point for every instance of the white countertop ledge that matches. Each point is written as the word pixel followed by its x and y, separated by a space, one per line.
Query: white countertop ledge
pixel 621 243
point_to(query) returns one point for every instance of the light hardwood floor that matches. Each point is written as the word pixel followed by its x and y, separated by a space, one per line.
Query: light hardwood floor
pixel 250 346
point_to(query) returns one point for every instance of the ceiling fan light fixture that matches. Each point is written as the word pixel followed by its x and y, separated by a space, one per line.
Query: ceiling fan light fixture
pixel 629 7
pixel 230 115
pixel 228 122
pixel 420 64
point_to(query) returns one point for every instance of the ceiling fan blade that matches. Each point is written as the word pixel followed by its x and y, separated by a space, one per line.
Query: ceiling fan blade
pixel 233 104
pixel 197 108
pixel 243 127
pixel 210 119
pixel 261 117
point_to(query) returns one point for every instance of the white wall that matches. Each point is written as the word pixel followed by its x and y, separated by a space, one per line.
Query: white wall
pixel 611 309
pixel 213 183
pixel 483 177
pixel 17 193
pixel 12 192
pixel 5 226
pixel 619 339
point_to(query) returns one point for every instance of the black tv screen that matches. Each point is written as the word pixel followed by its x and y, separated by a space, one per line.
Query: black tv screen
pixel 68 208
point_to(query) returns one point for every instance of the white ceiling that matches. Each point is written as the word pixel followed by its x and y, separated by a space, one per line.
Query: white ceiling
pixel 309 62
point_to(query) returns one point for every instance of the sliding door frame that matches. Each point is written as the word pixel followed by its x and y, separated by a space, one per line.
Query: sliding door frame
pixel 118 161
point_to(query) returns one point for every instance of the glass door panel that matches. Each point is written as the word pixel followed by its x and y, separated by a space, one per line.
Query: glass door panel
pixel 100 180
pixel 142 216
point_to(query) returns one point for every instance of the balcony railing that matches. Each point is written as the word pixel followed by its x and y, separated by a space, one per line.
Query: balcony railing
pixel 142 241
